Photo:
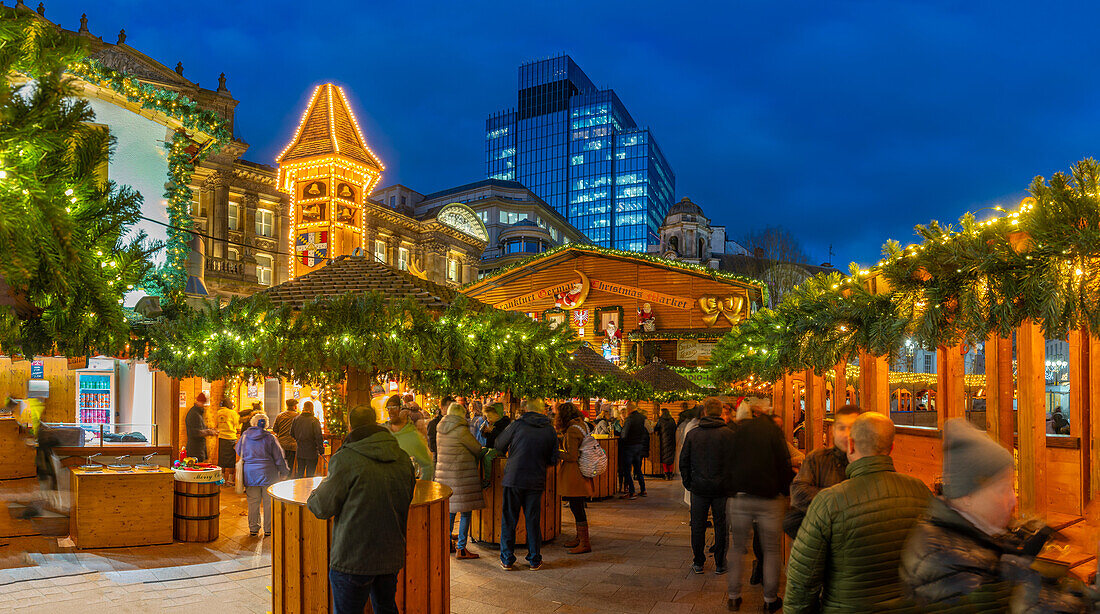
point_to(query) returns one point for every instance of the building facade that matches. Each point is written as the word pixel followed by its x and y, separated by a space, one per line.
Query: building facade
pixel 578 148
pixel 518 224
pixel 239 216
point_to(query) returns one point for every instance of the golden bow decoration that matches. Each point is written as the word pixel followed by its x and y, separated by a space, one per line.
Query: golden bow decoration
pixel 714 306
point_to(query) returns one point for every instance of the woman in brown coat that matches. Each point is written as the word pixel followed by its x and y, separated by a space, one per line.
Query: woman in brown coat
pixel 573 486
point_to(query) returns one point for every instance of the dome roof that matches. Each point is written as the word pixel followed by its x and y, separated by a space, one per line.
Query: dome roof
pixel 524 222
pixel 684 206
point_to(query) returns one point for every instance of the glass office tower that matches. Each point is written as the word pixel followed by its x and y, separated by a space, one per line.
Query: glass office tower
pixel 578 148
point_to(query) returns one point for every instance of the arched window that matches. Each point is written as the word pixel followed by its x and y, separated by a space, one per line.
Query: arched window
pixel 674 244
pixel 702 247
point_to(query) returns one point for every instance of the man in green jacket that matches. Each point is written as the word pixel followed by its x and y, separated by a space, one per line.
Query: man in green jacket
pixel 368 490
pixel 848 550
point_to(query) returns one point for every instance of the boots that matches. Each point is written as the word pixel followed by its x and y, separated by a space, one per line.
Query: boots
pixel 582 537
pixel 576 539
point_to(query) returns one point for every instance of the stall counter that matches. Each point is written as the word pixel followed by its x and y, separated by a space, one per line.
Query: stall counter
pixel 113 509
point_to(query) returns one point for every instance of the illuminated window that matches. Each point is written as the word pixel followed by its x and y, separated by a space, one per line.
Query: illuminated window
pixel 511 217
pixel 197 208
pixel 264 266
pixel 453 271
pixel 265 222
pixel 234 215
pixel 402 259
pixel 380 251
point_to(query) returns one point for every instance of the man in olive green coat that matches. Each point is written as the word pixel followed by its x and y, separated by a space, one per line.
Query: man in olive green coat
pixel 848 550
pixel 368 490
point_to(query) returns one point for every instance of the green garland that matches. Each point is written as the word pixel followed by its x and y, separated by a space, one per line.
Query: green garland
pixel 659 335
pixel 606 251
pixel 182 153
pixel 958 286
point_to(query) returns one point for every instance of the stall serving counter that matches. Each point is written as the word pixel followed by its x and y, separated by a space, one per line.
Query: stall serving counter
pixel 485 523
pixel 16 457
pixel 299 554
pixel 117 508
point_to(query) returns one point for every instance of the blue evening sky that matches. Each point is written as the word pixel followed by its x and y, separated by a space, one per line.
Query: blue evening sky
pixel 846 122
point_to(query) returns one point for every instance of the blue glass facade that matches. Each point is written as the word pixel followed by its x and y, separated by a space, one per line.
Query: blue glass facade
pixel 578 148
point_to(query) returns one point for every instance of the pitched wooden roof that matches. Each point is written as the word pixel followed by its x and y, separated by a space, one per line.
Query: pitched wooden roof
pixel 328 127
pixel 593 363
pixel 360 274
pixel 662 378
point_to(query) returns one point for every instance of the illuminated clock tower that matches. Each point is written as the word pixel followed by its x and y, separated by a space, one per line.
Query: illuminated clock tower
pixel 329 172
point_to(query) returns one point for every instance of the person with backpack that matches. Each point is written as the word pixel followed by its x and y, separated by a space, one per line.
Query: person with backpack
pixel 573 486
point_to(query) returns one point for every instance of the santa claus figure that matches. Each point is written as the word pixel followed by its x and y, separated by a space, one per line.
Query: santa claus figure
pixel 646 320
pixel 570 298
pixel 613 337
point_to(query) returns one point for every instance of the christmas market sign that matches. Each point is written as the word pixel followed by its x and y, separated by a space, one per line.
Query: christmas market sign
pixel 568 295
pixel 571 295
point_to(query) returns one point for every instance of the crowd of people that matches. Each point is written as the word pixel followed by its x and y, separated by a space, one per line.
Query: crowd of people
pixel 863 536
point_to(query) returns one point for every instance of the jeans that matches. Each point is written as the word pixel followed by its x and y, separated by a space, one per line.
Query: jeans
pixel 717 507
pixel 463 528
pixel 743 510
pixel 306 468
pixel 257 495
pixel 350 593
pixel 633 455
pixel 530 501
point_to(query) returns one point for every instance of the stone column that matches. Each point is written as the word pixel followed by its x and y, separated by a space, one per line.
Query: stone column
pixel 218 212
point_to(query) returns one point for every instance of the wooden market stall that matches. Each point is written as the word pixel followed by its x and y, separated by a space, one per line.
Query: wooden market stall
pixel 609 296
pixel 301 545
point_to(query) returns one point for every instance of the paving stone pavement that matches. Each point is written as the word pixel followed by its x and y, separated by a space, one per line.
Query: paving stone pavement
pixel 641 563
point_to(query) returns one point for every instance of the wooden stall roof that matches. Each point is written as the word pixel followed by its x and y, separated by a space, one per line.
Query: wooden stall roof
pixel 574 250
pixel 591 362
pixel 662 378
pixel 359 274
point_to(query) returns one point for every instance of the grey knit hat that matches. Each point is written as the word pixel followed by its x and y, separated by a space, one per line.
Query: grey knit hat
pixel 970 458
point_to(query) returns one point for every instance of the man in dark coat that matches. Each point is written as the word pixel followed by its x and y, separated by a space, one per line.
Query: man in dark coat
pixel 822 468
pixel 531 445
pixel 368 490
pixel 847 553
pixel 309 441
pixel 197 431
pixel 962 557
pixel 704 471
pixel 495 424
pixel 633 447
pixel 761 475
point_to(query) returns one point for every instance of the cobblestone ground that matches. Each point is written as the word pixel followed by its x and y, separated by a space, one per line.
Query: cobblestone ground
pixel 641 563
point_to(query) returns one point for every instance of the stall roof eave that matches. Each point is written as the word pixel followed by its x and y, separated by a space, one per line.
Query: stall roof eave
pixel 591 362
pixel 360 275
pixel 664 379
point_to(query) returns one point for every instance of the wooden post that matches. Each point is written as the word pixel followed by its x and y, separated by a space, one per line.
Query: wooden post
pixel 174 398
pixel 778 394
pixel 950 385
pixel 874 383
pixel 814 426
pixel 1031 422
pixel 840 385
pixel 1090 428
pixel 790 398
pixel 1080 409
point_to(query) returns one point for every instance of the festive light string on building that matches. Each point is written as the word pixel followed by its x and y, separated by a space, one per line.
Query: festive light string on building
pixel 956 287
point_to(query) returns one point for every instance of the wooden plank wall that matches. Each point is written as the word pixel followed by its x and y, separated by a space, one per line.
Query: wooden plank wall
pixel 61 406
pixel 613 270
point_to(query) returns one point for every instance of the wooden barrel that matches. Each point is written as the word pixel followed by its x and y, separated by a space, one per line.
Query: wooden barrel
pixel 299 553
pixel 607 483
pixel 198 508
pixel 485 523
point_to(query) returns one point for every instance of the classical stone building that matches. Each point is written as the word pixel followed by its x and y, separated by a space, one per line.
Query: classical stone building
pixel 518 223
